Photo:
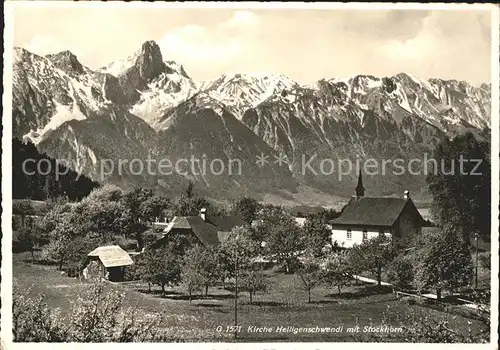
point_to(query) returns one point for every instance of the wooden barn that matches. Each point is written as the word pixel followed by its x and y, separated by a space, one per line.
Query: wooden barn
pixel 108 262
pixel 209 231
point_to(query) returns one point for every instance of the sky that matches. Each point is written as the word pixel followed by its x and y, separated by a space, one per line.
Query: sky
pixel 305 45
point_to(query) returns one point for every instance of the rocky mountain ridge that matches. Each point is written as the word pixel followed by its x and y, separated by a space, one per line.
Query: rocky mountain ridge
pixel 145 106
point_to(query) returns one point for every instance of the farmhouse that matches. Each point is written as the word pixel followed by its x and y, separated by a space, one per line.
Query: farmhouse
pixel 207 231
pixel 367 217
pixel 107 262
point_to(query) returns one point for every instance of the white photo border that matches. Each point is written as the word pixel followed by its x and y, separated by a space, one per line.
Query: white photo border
pixel 6 267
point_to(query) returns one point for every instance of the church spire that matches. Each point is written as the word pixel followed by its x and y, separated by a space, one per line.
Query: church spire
pixel 360 190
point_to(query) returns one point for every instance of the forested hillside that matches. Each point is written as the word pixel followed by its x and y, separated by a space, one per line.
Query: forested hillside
pixel 39 179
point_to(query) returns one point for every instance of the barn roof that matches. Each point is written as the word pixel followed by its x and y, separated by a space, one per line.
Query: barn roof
pixel 112 256
pixel 179 222
pixel 373 211
pixel 226 222
pixel 210 232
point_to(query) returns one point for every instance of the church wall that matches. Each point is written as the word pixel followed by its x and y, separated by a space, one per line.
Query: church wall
pixel 408 225
pixel 339 234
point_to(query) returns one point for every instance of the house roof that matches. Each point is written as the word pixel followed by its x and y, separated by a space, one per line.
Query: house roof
pixel 226 222
pixel 112 256
pixel 373 211
pixel 210 232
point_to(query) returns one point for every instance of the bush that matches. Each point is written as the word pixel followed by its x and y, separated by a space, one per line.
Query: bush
pixel 132 273
pixel 253 281
pixel 408 300
pixel 97 316
pixel 485 260
pixel 150 237
pixel 400 272
pixel 127 244
pixel 293 265
pixel 310 275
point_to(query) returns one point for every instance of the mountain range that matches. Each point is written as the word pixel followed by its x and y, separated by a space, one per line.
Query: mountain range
pixel 145 106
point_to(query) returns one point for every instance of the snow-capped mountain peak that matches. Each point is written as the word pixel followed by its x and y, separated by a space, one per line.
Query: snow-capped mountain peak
pixel 118 67
pixel 148 54
pixel 240 91
pixel 152 84
pixel 55 89
pixel 147 104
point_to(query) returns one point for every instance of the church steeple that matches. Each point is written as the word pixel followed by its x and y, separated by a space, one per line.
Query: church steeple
pixel 360 190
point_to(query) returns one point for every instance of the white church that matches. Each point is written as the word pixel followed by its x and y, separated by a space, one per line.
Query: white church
pixel 367 217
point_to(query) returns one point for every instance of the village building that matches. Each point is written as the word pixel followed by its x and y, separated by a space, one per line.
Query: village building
pixel 368 217
pixel 209 231
pixel 107 262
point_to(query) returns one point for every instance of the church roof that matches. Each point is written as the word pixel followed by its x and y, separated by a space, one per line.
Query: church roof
pixel 373 211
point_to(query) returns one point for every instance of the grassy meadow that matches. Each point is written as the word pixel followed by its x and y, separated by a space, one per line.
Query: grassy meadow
pixel 284 304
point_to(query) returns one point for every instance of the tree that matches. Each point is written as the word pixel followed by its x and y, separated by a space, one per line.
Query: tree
pixel 28 240
pixel 203 262
pixel 310 275
pixel 33 321
pixel 237 251
pixel 325 215
pixel 189 193
pixel 192 279
pixel 64 242
pixel 187 204
pixel 316 235
pixel 143 205
pixel 160 266
pixel 104 218
pixel 52 219
pixel 92 323
pixel 153 207
pixel 190 206
pixel 485 260
pixel 73 230
pixel 226 265
pixel 137 207
pixel 337 271
pixel 400 271
pixel 436 327
pixel 282 236
pixel 239 248
pixel 461 186
pixel 246 208
pixel 24 208
pixel 253 281
pixel 442 261
pixel 30 183
pixel 373 255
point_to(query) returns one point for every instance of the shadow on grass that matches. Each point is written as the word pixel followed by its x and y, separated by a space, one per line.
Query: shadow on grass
pixel 180 296
pixel 214 307
pixel 208 305
pixel 320 302
pixel 264 303
pixel 366 291
pixel 43 262
pixel 158 292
